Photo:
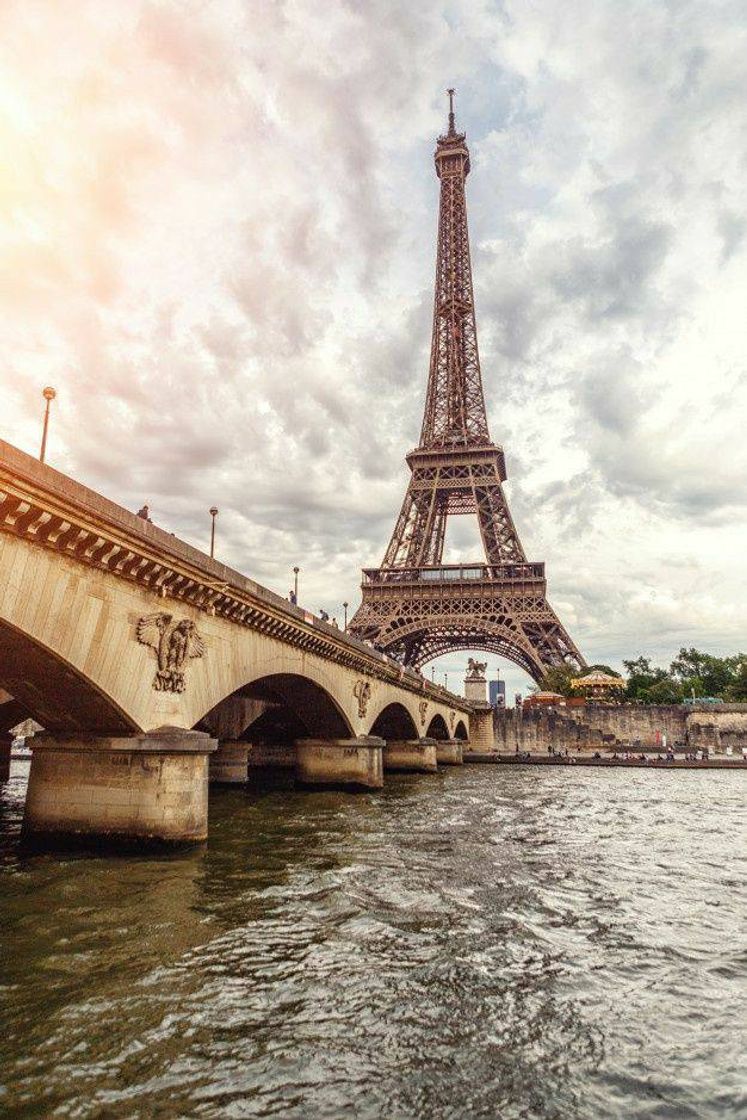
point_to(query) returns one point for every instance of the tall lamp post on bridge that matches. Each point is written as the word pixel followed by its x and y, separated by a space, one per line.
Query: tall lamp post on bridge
pixel 213 513
pixel 296 570
pixel 345 608
pixel 49 395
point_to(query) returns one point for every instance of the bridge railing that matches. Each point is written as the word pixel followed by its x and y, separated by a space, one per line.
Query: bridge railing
pixel 457 573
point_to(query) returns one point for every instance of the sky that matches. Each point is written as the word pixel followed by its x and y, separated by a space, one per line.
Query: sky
pixel 217 223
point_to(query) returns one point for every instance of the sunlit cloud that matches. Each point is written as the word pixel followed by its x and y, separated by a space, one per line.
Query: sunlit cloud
pixel 217 225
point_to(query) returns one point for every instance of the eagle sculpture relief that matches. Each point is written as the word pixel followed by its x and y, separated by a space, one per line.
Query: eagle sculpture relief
pixel 174 644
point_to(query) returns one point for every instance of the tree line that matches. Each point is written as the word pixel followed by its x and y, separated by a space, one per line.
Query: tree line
pixel 692 675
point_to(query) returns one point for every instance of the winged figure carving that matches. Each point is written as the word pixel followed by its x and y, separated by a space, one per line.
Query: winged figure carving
pixel 174 644
pixel 476 669
pixel 362 693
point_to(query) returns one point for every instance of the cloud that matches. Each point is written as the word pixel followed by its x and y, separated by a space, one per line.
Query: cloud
pixel 218 235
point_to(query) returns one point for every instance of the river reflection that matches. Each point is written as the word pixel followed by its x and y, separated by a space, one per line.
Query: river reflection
pixel 486 942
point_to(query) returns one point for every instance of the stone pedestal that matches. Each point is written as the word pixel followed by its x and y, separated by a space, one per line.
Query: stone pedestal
pixel 272 756
pixel 413 755
pixel 91 789
pixel 352 764
pixel 449 752
pixel 228 765
pixel 476 689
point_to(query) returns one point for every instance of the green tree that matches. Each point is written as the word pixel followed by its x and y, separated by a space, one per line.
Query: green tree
pixel 602 669
pixel 736 692
pixel 663 692
pixel 642 676
pixel 702 674
pixel 558 679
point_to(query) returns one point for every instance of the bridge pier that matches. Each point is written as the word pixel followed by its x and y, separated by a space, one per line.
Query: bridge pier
pixel 5 745
pixel 130 790
pixel 228 765
pixel 352 764
pixel 271 756
pixel 449 752
pixel 411 755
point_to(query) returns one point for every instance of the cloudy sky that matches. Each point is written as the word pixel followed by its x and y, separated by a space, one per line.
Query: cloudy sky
pixel 218 233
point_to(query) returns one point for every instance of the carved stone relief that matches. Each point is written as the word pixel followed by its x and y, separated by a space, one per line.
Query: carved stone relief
pixel 362 693
pixel 174 644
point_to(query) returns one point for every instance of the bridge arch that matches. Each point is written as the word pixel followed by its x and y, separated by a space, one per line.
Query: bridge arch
pixel 278 708
pixel 52 691
pixel 394 722
pixel 460 731
pixel 437 728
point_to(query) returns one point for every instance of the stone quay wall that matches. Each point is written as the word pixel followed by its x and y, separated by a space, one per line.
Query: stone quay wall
pixel 597 726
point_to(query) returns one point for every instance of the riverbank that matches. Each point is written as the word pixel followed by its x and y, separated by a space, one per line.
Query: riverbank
pixel 652 762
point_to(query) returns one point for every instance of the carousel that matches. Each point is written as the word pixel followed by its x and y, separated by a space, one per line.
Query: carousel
pixel 599 687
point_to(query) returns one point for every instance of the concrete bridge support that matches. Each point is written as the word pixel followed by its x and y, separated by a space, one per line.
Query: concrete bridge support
pixel 449 752
pixel 352 764
pixel 229 763
pixel 410 755
pixel 140 789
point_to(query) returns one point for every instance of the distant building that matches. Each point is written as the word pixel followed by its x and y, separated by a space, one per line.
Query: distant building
pixel 497 693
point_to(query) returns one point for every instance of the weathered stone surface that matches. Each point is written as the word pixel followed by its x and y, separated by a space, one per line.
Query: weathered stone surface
pixel 275 756
pixel 415 755
pixel 599 725
pixel 481 731
pixel 353 764
pixel 228 764
pixel 119 789
pixel 449 752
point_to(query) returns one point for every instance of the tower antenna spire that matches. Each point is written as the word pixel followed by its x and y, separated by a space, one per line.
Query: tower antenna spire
pixel 452 129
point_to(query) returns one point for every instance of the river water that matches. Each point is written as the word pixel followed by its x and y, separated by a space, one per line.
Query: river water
pixel 496 942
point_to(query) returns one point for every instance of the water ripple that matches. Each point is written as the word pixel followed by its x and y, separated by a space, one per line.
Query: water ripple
pixel 491 943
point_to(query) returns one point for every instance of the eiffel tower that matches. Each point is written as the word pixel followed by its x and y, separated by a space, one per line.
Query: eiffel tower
pixel 415 606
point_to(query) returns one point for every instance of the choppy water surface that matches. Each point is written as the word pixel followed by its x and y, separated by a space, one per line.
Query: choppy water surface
pixel 487 942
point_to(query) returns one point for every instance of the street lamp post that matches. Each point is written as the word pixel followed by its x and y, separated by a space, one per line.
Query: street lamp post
pixel 446 680
pixel 49 395
pixel 296 570
pixel 213 514
pixel 345 607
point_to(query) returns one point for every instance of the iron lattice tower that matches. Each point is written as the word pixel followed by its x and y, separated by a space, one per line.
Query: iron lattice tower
pixel 414 606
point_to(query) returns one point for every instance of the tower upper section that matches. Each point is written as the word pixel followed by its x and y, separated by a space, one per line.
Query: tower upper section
pixel 455 406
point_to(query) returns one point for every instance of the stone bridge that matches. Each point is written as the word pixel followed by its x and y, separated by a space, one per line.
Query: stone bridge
pixel 141 657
